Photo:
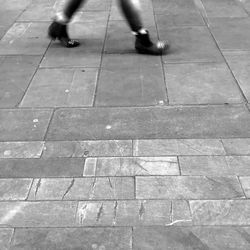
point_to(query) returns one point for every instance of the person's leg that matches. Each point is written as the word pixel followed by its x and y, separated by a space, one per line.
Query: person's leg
pixel 58 29
pixel 132 11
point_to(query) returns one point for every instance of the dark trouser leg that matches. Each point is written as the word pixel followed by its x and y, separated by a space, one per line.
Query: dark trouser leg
pixel 131 10
pixel 71 7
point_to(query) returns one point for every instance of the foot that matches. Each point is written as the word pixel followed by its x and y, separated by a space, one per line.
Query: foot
pixel 59 31
pixel 144 45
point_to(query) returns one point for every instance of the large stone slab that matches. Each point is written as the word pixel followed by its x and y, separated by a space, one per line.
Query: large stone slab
pixel 182 238
pixel 150 123
pixel 221 212
pixel 165 147
pixel 188 187
pixel 203 83
pixel 231 33
pixel 73 238
pixel 82 188
pixel 15 4
pixel 239 146
pixel 23 124
pixel 52 167
pixel 14 189
pixel 133 82
pixel 190 44
pixel 16 73
pixel 5 238
pixel 214 165
pixel 98 5
pixel 61 88
pixel 239 63
pixel 21 149
pixel 87 148
pixel 25 39
pixel 131 166
pixel 124 213
pixel 37 214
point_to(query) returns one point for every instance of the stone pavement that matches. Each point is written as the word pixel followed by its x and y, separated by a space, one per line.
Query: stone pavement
pixel 101 148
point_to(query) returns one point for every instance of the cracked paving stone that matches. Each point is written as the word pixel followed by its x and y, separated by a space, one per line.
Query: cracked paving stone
pixel 183 238
pixel 5 238
pixel 38 214
pixel 87 148
pixel 245 182
pixel 131 166
pixel 14 189
pixel 221 212
pixel 72 238
pixel 82 188
pixel 124 213
pixel 188 187
pixel 181 214
pixel 161 147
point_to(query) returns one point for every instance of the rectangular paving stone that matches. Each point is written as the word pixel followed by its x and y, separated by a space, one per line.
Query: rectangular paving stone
pixel 83 16
pixel 245 182
pixel 124 213
pixel 164 147
pixel 203 83
pixel 181 215
pixel 150 123
pixel 231 33
pixel 51 167
pixel 14 189
pixel 131 166
pixel 25 39
pixel 87 148
pixel 221 212
pixel 61 88
pixel 214 165
pixel 38 214
pixel 6 235
pixel 188 187
pixel 130 83
pixel 98 5
pixel 86 55
pixel 16 73
pixel 23 124
pixel 15 4
pixel 72 238
pixel 21 149
pixel 182 238
pixel 224 8
pixel 236 146
pixel 190 44
pixel 239 63
pixel 82 188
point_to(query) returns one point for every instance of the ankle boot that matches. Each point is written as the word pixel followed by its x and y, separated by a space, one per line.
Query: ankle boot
pixel 59 31
pixel 144 45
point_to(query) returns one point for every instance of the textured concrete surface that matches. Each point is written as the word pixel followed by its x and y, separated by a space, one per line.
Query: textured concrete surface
pixel 102 148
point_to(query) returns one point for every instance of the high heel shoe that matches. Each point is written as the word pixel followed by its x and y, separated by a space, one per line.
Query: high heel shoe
pixel 144 45
pixel 59 31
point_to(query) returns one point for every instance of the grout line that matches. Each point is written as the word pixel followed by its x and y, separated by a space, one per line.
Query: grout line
pixel 243 191
pixel 30 188
pixel 49 123
pixel 12 238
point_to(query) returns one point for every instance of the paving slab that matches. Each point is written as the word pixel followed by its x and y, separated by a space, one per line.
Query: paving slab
pixel 6 235
pixel 161 147
pixel 15 82
pixel 135 81
pixel 231 33
pixel 87 148
pixel 188 187
pixel 82 188
pixel 23 124
pixel 25 39
pixel 124 213
pixel 220 212
pixel 182 238
pixel 190 44
pixel 237 146
pixel 37 214
pixel 131 166
pixel 35 168
pixel 150 123
pixel 239 63
pixel 203 83
pixel 61 87
pixel 72 238
pixel 14 189
pixel 245 182
pixel 181 215
pixel 19 150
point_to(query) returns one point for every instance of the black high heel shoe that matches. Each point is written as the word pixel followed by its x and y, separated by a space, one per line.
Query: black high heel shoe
pixel 144 45
pixel 59 31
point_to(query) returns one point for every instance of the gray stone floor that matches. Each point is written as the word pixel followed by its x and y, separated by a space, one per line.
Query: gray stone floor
pixel 102 148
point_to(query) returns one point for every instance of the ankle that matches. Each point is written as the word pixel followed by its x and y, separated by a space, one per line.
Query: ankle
pixel 61 18
pixel 143 37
